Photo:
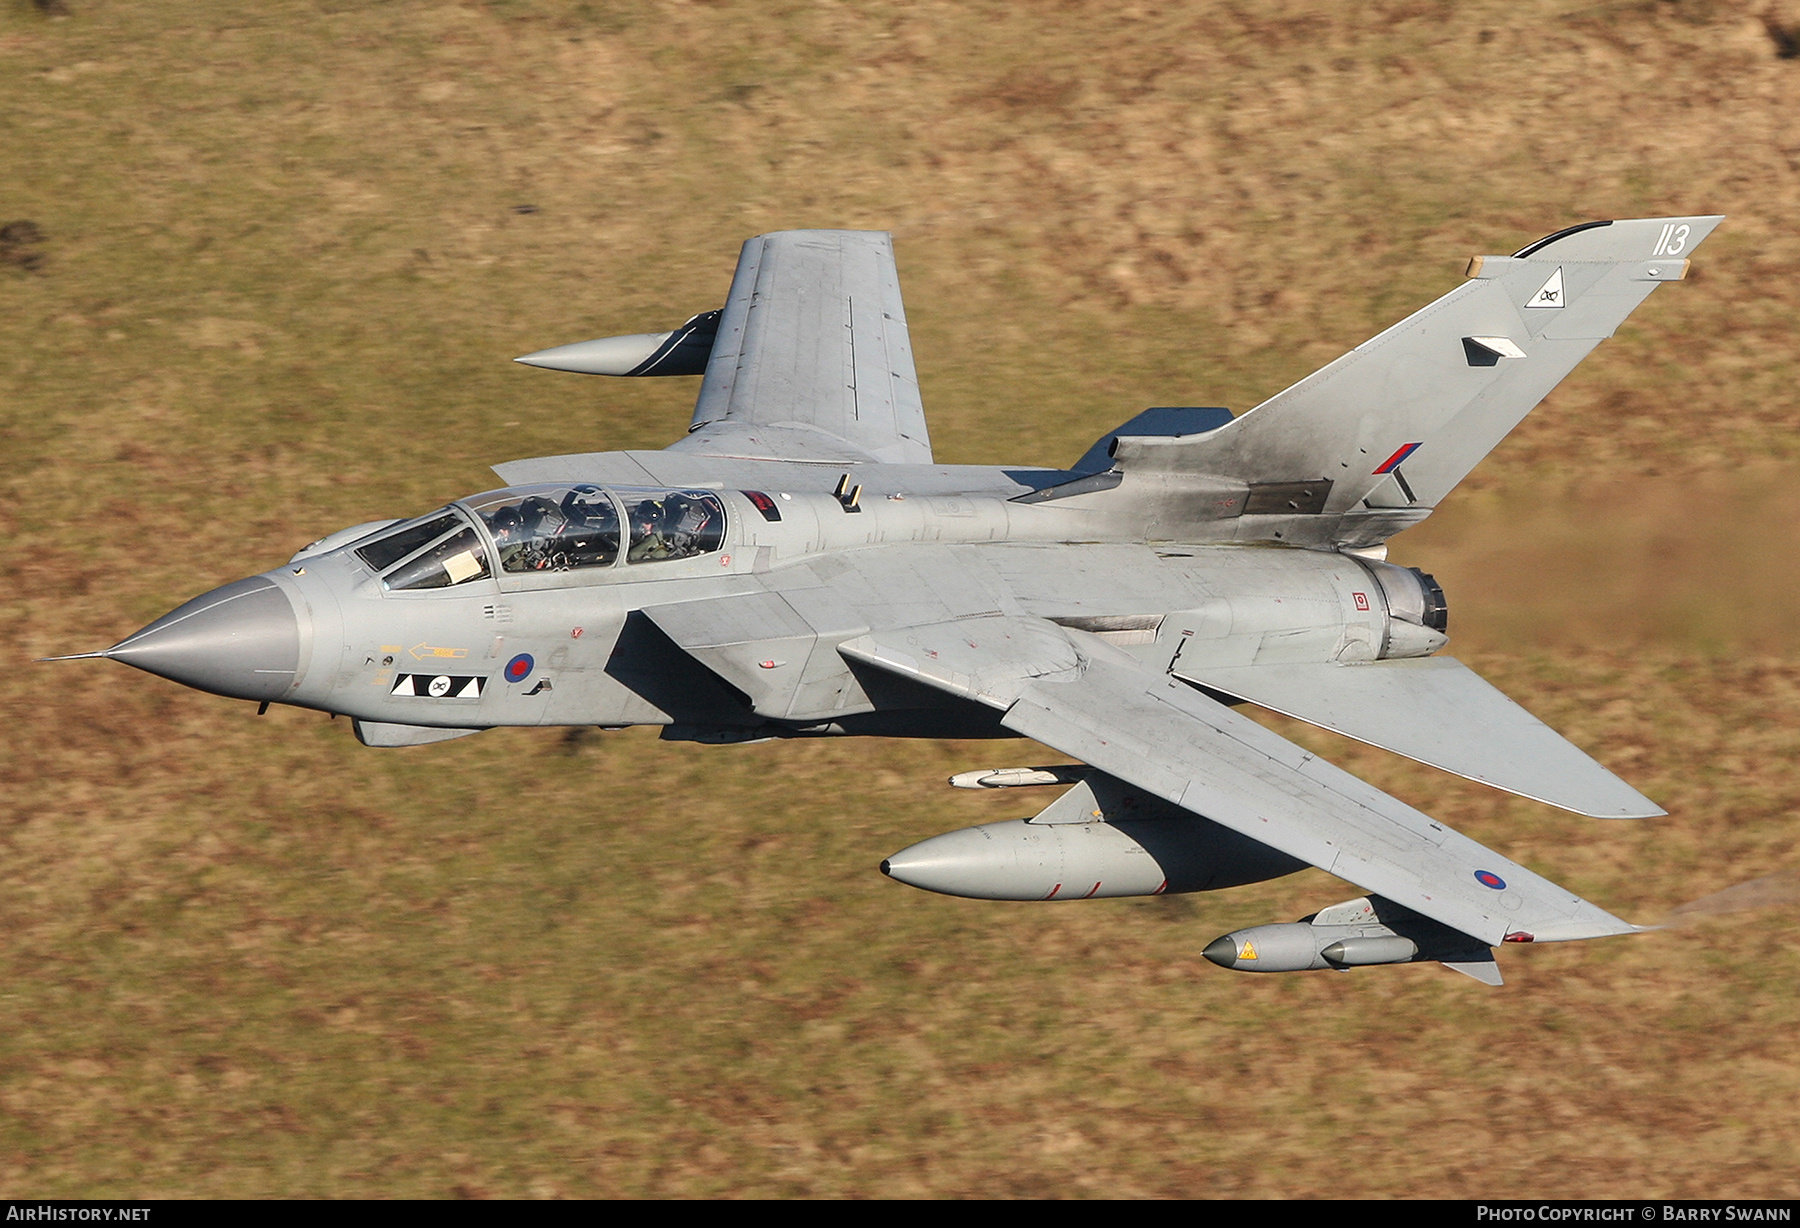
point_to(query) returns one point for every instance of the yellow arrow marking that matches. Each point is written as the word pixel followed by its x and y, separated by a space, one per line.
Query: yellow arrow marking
pixel 422 650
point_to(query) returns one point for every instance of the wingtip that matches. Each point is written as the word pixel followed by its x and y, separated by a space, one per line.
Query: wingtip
pixel 1650 810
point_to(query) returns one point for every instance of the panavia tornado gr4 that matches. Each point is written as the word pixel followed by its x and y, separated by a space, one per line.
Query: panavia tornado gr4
pixel 798 566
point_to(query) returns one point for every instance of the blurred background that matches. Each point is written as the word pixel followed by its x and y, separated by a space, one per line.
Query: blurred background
pixel 262 268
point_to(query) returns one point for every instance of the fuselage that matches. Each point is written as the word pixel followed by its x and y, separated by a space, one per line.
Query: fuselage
pixel 573 603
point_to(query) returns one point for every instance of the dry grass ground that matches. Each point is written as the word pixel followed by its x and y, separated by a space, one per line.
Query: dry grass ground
pixel 277 259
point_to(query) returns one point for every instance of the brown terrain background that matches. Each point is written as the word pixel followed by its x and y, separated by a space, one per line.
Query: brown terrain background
pixel 263 268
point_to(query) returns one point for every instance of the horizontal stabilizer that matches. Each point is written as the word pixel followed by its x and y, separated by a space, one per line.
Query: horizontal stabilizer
pixel 1165 421
pixel 1439 711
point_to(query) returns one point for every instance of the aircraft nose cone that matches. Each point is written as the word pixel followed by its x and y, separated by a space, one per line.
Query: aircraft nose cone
pixel 242 640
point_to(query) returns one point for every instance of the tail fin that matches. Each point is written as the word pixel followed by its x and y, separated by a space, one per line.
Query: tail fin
pixel 1392 426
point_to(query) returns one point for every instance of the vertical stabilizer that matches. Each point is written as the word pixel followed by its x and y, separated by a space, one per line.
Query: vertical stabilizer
pixel 1393 425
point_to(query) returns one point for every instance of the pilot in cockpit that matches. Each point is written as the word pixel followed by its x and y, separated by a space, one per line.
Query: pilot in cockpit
pixel 672 526
pixel 649 539
pixel 507 526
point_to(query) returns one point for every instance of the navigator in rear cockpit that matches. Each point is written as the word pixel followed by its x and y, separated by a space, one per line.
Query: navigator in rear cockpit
pixel 674 525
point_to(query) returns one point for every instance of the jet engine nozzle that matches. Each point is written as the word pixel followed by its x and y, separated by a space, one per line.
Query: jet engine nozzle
pixel 241 640
pixel 1418 613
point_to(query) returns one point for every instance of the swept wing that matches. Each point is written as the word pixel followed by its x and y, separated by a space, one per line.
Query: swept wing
pixel 1073 692
pixel 812 359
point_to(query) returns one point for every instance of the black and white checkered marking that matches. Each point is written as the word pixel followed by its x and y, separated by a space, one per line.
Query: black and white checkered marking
pixel 438 686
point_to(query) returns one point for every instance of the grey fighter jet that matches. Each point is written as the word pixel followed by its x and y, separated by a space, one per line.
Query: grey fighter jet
pixel 799 566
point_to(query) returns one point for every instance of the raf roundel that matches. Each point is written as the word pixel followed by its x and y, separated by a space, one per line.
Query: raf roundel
pixel 519 668
pixel 1487 878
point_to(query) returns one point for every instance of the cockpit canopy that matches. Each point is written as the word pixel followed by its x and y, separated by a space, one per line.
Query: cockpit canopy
pixel 550 528
pixel 438 551
pixel 547 528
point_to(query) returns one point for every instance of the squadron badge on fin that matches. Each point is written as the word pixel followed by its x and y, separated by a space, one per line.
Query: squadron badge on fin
pixel 1550 294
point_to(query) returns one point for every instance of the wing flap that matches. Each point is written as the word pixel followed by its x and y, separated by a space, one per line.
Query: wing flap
pixel 1438 711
